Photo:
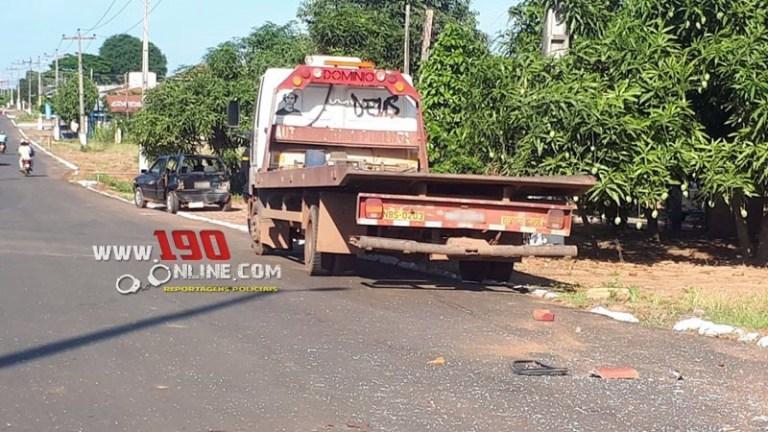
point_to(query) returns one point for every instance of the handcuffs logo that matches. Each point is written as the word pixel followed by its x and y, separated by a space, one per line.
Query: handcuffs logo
pixel 152 280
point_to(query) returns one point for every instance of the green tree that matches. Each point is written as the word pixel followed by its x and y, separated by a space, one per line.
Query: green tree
pixel 188 112
pixel 100 68
pixel 374 29
pixel 66 103
pixel 123 54
pixel 652 94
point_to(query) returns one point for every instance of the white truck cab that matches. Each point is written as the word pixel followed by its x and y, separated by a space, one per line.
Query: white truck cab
pixel 318 109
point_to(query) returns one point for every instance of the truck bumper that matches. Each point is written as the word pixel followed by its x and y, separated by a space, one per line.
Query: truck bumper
pixel 461 247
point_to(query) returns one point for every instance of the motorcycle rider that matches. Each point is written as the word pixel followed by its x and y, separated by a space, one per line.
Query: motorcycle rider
pixel 3 140
pixel 25 153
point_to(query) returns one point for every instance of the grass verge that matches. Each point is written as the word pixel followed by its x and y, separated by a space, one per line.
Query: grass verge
pixel 748 312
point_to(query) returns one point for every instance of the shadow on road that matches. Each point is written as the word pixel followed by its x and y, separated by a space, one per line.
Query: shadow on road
pixel 57 347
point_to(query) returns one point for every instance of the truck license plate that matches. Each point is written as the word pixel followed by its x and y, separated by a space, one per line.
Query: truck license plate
pixel 202 185
pixel 403 214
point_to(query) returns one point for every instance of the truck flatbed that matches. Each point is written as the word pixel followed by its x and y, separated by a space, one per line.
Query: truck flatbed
pixel 346 175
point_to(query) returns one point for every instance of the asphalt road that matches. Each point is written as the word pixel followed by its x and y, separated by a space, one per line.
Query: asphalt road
pixel 322 354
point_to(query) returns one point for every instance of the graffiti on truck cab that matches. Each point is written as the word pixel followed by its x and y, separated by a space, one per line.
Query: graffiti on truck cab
pixel 288 105
pixel 375 107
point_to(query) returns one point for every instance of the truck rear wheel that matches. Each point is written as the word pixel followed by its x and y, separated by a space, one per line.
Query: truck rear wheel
pixel 254 228
pixel 316 263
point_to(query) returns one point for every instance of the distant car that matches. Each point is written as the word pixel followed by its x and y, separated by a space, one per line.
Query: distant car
pixel 190 181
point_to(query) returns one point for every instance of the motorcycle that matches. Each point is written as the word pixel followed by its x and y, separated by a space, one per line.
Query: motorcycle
pixel 3 140
pixel 27 166
pixel 2 146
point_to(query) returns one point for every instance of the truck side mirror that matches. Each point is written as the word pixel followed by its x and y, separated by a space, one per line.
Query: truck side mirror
pixel 233 114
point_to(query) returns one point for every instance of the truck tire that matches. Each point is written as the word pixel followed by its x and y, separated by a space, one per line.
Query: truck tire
pixel 171 203
pixel 254 228
pixel 316 263
pixel 474 271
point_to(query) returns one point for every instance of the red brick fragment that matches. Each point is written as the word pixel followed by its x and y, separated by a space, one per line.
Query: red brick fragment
pixel 543 315
pixel 616 373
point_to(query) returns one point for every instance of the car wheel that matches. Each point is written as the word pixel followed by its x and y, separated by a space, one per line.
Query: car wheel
pixel 171 203
pixel 138 198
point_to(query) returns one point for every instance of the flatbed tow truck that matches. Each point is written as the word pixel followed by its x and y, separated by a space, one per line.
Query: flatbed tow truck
pixel 339 159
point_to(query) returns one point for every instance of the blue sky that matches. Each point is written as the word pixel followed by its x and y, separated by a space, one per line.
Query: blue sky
pixel 183 29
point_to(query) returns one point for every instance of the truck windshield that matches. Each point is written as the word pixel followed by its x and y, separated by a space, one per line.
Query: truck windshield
pixel 202 164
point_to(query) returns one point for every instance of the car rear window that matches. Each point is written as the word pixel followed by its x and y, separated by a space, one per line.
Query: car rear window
pixel 199 164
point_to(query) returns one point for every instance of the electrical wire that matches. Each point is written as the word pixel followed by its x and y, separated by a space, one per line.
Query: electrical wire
pixel 103 16
pixel 142 20
pixel 117 14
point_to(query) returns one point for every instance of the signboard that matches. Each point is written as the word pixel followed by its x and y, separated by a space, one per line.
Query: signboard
pixel 124 103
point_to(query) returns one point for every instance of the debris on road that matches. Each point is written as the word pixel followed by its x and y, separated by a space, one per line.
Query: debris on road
pixel 618 316
pixel 616 373
pixel 676 374
pixel 763 342
pixel 536 368
pixel 440 361
pixel 543 315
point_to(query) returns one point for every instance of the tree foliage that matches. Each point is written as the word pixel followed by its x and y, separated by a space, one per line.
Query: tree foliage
pixel 188 112
pixel 66 103
pixel 123 54
pixel 68 67
pixel 652 94
pixel 374 29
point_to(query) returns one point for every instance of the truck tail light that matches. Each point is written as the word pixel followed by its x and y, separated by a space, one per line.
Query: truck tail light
pixel 372 208
pixel 555 219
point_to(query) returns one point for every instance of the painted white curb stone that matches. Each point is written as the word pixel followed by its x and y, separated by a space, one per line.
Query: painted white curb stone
pixel 618 316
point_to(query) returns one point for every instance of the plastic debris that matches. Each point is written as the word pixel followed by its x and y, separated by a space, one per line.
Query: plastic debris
pixel 440 361
pixel 536 368
pixel 618 316
pixel 542 293
pixel 763 342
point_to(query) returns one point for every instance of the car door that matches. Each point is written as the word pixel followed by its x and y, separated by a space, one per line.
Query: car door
pixel 154 186
pixel 170 178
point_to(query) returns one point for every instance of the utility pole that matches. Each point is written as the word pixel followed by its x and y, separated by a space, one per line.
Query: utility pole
pixel 83 129
pixel 143 164
pixel 427 37
pixel 39 85
pixel 18 87
pixel 406 43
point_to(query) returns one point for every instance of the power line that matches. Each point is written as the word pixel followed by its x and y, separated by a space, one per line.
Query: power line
pixel 113 16
pixel 138 23
pixel 103 16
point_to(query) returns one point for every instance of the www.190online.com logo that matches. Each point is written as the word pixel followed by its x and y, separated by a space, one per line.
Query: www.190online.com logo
pixel 190 248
